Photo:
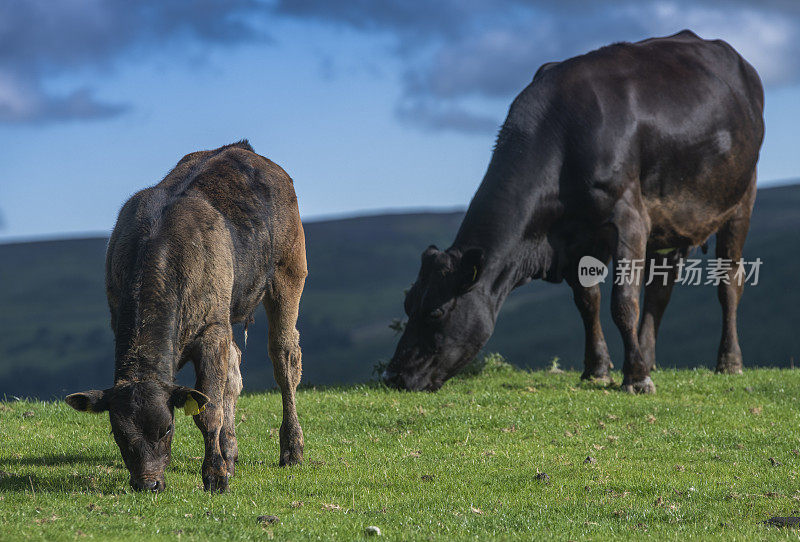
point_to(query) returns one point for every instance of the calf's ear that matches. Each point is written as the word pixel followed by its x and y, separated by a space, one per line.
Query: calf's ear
pixel 471 267
pixel 89 401
pixel 430 251
pixel 192 401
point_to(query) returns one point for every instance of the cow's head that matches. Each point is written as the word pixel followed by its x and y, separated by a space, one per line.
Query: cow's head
pixel 449 320
pixel 142 419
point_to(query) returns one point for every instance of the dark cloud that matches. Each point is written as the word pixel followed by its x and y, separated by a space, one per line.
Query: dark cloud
pixel 28 103
pixel 420 19
pixel 40 39
pixel 455 51
pixel 437 116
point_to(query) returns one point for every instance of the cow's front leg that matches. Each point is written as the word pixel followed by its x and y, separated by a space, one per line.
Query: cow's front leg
pixel 212 362
pixel 629 256
pixel 233 387
pixel 596 360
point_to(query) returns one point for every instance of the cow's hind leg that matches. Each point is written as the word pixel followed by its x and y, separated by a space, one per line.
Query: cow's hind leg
pixel 212 364
pixel 596 360
pixel 659 279
pixel 629 254
pixel 730 241
pixel 233 387
pixel 282 305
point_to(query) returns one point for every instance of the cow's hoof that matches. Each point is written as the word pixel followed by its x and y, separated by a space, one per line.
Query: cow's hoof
pixel 216 483
pixel 729 364
pixel 291 458
pixel 642 386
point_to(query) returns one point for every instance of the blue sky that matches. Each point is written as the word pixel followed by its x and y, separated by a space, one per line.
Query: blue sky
pixel 368 105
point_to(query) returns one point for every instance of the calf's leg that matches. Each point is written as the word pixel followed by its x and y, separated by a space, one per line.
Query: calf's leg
pixel 233 387
pixel 212 366
pixel 282 305
pixel 656 297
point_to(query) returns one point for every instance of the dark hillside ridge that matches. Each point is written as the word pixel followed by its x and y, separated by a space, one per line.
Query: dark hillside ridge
pixel 56 335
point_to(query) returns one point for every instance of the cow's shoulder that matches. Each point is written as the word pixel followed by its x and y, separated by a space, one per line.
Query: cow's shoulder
pixel 544 68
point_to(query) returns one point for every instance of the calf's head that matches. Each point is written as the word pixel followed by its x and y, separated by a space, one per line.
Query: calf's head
pixel 449 320
pixel 142 422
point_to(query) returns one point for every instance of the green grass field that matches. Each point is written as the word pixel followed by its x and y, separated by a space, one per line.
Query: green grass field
pixel 505 454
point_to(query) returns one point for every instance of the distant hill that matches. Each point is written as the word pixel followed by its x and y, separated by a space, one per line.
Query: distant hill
pixel 55 334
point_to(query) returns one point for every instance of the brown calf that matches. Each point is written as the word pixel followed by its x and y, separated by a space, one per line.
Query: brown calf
pixel 188 258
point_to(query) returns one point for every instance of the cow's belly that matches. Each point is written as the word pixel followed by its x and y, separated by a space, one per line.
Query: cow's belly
pixel 682 224
pixel 250 271
pixel 689 200
pixel 692 211
pixel 248 292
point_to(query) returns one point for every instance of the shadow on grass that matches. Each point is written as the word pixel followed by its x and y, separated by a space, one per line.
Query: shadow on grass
pixel 60 482
pixel 49 460
pixel 183 465
pixel 36 483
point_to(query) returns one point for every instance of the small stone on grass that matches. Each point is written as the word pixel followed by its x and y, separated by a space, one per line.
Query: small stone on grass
pixel 372 531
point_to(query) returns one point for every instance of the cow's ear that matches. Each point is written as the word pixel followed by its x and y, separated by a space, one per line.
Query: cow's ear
pixel 192 401
pixel 89 401
pixel 432 250
pixel 471 267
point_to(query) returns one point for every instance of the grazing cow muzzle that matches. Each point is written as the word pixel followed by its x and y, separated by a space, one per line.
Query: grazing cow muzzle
pixel 148 484
pixel 393 380
pixel 400 381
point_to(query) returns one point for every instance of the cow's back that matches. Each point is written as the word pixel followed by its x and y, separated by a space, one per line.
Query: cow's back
pixel 671 126
pixel 205 239
pixel 681 117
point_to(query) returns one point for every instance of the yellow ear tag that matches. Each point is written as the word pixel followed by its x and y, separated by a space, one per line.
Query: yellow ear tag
pixel 474 272
pixel 191 408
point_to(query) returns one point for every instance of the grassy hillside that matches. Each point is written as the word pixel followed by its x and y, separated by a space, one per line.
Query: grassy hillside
pixel 505 455
pixel 55 321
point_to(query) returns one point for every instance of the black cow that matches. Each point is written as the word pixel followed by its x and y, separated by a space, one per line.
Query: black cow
pixel 626 151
